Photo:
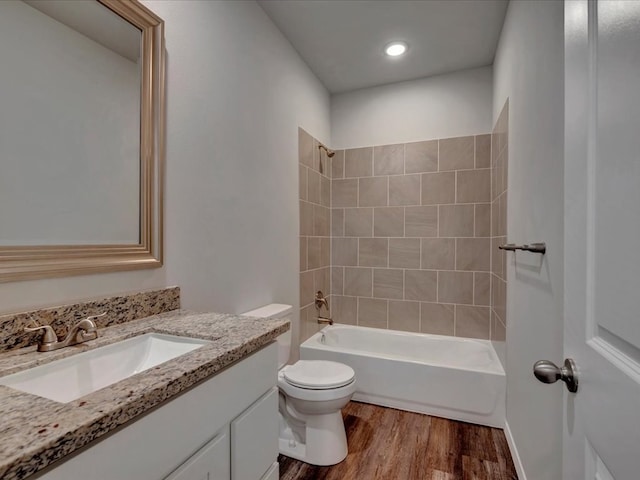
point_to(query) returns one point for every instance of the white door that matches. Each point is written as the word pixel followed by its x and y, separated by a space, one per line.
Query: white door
pixel 602 238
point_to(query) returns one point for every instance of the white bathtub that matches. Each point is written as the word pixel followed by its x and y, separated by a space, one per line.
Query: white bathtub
pixel 456 378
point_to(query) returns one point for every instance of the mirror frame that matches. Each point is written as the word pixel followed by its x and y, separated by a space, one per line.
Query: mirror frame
pixel 32 262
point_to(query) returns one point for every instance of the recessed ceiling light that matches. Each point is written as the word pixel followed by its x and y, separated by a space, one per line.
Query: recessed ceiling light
pixel 395 49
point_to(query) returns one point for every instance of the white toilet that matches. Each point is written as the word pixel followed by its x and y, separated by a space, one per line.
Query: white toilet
pixel 312 392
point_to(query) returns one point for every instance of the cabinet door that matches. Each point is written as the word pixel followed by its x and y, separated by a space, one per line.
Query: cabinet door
pixel 211 462
pixel 254 438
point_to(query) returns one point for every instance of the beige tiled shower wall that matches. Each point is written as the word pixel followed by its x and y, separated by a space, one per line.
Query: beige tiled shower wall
pixel 499 165
pixel 315 218
pixel 411 236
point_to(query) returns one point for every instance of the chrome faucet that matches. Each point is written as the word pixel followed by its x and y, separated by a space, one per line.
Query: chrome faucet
pixel 320 301
pixel 81 332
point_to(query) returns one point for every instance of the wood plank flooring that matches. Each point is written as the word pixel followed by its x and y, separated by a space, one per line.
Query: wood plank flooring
pixel 388 444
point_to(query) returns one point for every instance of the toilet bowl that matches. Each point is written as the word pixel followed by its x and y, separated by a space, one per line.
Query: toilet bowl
pixel 312 393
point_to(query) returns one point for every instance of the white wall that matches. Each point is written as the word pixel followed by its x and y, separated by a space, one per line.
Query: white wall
pixel 529 71
pixel 442 106
pixel 237 92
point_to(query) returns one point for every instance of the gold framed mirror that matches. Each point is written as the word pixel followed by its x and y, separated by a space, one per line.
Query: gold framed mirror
pixel 67 192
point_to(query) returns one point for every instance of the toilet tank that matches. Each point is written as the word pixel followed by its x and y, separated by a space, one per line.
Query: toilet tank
pixel 276 310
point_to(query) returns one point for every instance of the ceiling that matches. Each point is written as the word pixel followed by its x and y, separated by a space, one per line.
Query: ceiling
pixel 343 40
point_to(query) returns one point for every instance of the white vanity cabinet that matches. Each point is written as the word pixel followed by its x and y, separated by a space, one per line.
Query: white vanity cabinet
pixel 211 462
pixel 225 428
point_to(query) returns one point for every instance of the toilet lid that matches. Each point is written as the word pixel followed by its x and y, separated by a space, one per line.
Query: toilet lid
pixel 318 374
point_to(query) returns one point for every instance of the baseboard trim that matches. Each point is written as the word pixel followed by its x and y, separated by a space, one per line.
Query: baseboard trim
pixel 514 452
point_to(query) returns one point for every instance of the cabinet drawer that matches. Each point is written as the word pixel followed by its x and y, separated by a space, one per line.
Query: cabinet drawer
pixel 254 438
pixel 211 462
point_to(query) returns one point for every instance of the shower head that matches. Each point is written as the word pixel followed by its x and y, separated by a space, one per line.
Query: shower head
pixel 330 153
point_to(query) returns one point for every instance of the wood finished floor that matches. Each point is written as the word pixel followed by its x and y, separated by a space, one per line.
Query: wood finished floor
pixel 388 444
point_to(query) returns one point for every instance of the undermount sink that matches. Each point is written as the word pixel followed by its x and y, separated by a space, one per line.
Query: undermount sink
pixel 72 377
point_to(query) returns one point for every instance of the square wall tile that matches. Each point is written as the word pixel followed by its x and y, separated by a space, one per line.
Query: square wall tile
pixel 344 193
pixel 388 222
pixel 420 285
pixel 303 254
pixel 307 295
pixel 305 148
pixel 337 222
pixel 322 281
pixel 358 282
pixel 499 298
pixel 337 165
pixel 321 221
pixel 498 257
pixel 372 252
pixel 455 220
pixel 324 167
pixel 482 220
pixel 404 190
pixel 313 253
pixel 344 310
pixel 438 188
pixel 358 222
pixel 437 318
pixel 473 254
pixel 495 218
pixel 302 182
pixel 421 221
pixel 472 322
pixel 483 151
pixel 306 218
pixel 344 251
pixel 388 283
pixel 502 215
pixel 455 287
pixel 421 157
pixel 372 192
pixel 372 313
pixel 404 316
pixel 325 251
pixel 473 186
pixel 316 156
pixel 325 191
pixel 498 330
pixel 358 162
pixel 456 153
pixel 388 160
pixel 313 186
pixel 404 253
pixel 481 288
pixel 438 253
pixel 337 280
pixel 308 323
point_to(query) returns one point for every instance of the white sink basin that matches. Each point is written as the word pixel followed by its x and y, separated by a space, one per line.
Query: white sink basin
pixel 72 377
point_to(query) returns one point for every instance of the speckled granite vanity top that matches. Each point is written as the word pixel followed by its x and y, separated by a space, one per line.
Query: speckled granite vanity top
pixel 35 432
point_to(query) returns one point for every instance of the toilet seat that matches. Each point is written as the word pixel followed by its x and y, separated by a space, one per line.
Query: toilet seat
pixel 318 374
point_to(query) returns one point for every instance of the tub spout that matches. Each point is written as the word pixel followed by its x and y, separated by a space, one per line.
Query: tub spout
pixel 325 320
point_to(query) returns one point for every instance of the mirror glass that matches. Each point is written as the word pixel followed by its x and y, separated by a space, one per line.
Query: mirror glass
pixel 70 134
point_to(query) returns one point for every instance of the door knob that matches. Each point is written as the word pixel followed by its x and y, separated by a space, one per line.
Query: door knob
pixel 549 372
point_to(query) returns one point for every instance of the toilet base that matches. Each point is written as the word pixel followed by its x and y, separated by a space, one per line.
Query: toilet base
pixel 325 440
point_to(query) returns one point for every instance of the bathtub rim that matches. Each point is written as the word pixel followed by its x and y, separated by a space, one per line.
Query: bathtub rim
pixel 314 342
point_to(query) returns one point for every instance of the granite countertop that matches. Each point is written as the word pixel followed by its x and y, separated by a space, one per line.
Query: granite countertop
pixel 35 431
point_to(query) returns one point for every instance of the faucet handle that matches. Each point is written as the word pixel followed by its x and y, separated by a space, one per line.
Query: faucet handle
pixel 49 335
